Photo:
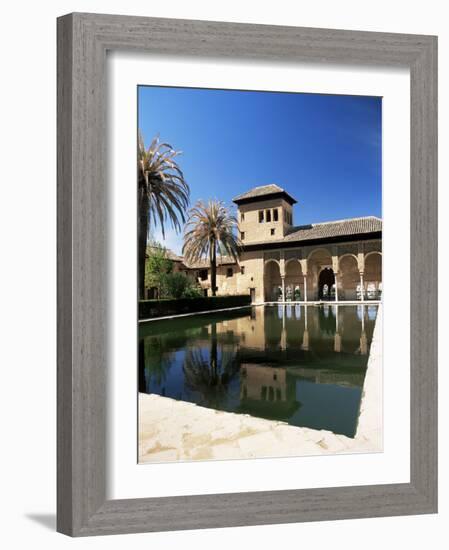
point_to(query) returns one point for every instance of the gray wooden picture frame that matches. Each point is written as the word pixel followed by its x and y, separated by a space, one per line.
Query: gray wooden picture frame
pixel 83 41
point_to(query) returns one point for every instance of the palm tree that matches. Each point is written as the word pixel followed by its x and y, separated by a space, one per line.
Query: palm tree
pixel 163 194
pixel 210 229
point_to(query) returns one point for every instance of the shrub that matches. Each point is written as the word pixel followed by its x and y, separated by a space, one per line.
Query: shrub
pixel 178 285
pixel 174 285
pixel 193 291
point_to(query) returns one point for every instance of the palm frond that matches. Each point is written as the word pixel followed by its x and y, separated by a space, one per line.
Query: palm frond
pixel 162 183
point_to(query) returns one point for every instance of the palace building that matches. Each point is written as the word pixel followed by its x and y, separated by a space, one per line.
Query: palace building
pixel 336 260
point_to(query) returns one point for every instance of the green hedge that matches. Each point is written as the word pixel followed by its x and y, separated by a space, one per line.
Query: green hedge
pixel 161 308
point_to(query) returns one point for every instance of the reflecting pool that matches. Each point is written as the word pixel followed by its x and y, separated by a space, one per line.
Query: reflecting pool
pixel 304 365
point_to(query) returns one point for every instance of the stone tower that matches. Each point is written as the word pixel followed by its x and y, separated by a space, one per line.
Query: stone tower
pixel 265 214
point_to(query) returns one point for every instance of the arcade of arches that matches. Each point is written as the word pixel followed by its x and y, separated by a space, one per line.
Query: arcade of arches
pixel 336 273
pixel 337 260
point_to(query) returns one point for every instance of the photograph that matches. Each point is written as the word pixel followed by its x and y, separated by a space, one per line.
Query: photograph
pixel 259 246
pixel 237 343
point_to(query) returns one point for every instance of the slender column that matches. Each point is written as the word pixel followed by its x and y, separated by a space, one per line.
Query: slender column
pixel 362 290
pixel 283 331
pixel 363 338
pixel 337 337
pixel 305 340
pixel 337 342
pixel 305 336
pixel 335 269
pixel 363 344
pixel 361 265
pixel 304 269
pixel 282 273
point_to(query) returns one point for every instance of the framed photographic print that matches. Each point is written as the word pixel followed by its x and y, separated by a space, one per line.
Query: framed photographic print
pixel 247 316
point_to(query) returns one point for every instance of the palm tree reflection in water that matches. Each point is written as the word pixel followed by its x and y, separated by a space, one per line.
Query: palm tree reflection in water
pixel 210 376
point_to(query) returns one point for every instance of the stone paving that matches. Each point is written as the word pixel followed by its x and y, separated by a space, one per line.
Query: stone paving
pixel 171 430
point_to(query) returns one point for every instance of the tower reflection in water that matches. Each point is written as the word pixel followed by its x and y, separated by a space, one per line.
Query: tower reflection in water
pixel 304 365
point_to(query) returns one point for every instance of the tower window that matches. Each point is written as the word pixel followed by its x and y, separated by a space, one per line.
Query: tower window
pixel 272 231
pixel 242 270
pixel 229 272
pixel 242 217
pixel 275 215
pixel 260 216
pixel 268 215
pixel 242 235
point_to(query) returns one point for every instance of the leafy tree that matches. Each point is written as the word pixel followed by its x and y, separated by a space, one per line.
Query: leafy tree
pixel 157 267
pixel 210 228
pixel 163 194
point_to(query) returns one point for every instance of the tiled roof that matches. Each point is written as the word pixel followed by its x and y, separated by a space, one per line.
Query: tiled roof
pixel 200 264
pixel 263 191
pixel 203 264
pixel 170 254
pixel 352 226
pixel 338 228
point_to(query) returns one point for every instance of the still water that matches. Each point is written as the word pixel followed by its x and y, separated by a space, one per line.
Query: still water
pixel 304 365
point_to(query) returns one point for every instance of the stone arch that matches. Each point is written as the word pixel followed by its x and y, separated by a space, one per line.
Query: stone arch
pixel 318 249
pixel 318 259
pixel 273 260
pixel 326 280
pixel 372 254
pixel 294 280
pixel 346 255
pixel 290 260
pixel 272 280
pixel 373 275
pixel 349 277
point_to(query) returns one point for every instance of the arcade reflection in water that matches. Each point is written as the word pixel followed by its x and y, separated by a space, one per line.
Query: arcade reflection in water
pixel 304 365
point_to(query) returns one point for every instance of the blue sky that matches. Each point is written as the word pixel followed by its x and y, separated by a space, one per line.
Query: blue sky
pixel 325 150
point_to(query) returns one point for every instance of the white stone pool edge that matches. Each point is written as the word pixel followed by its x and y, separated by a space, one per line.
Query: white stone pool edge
pixel 258 304
pixel 171 430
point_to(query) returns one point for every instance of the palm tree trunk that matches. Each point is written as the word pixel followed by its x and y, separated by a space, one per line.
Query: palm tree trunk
pixel 213 267
pixel 142 240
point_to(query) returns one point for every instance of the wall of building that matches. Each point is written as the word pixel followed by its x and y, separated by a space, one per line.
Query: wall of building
pixel 256 231
pixel 253 264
